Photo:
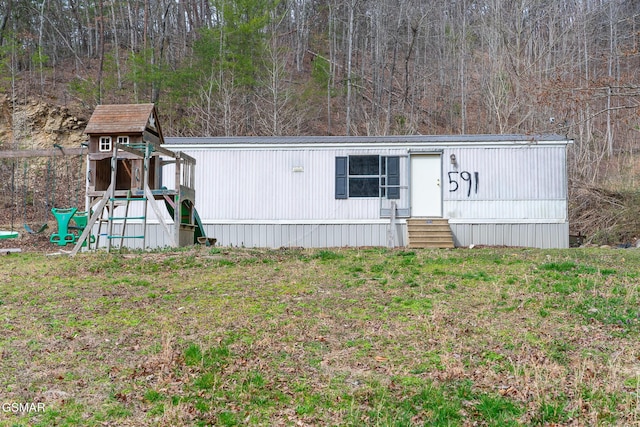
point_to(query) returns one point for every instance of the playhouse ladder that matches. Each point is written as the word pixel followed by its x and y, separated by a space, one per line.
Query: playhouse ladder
pixel 126 201
pixel 115 201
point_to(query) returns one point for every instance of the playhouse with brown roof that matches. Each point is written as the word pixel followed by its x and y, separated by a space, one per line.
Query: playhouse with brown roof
pixel 124 177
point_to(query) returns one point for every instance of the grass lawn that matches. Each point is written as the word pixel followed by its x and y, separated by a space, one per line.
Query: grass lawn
pixel 373 337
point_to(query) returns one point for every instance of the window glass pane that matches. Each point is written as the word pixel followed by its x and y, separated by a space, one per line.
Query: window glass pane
pixel 105 144
pixel 363 165
pixel 363 187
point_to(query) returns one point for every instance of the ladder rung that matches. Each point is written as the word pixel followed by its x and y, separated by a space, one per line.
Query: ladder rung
pixel 128 199
pixel 125 237
pixel 114 218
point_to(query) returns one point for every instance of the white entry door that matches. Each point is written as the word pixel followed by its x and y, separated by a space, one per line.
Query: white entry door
pixel 426 193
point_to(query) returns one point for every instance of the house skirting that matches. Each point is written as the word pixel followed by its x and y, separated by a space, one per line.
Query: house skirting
pixel 531 234
pixel 362 233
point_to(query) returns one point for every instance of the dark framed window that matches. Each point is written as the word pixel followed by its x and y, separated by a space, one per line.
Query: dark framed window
pixel 364 176
pixel 367 176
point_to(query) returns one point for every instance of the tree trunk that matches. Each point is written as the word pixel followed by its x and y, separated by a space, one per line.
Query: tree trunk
pixel 352 6
pixel 100 29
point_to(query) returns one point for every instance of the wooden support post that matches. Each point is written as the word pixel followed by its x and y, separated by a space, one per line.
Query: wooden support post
pixel 392 233
pixel 177 211
pixel 112 187
pixel 145 184
pixel 96 214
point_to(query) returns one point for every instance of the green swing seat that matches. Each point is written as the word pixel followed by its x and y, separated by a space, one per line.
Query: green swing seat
pixel 32 231
pixel 63 216
pixel 81 218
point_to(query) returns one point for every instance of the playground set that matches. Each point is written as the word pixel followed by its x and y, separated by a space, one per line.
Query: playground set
pixel 125 161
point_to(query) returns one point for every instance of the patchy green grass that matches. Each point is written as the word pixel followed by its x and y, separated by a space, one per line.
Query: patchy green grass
pixel 231 337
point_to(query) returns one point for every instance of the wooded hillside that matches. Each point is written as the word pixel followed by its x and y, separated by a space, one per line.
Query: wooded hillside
pixel 352 67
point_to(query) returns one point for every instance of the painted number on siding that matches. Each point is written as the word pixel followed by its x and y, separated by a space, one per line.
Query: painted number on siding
pixel 464 180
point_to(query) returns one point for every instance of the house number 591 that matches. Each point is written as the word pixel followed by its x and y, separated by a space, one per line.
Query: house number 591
pixel 471 180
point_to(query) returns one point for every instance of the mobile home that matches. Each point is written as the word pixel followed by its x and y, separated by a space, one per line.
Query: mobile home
pixel 506 190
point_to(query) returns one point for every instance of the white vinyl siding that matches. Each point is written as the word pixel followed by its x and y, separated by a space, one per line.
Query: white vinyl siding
pixel 277 185
pixel 523 183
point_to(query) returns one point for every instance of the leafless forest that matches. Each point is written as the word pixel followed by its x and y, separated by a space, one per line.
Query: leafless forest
pixel 355 67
